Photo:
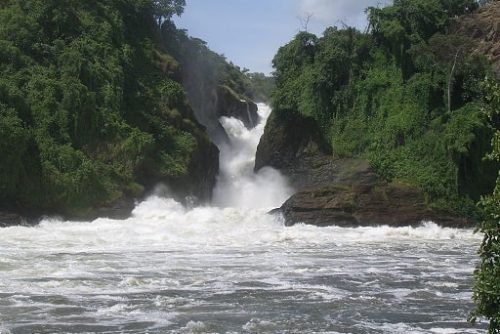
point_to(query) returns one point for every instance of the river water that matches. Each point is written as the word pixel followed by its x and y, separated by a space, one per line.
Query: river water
pixel 231 268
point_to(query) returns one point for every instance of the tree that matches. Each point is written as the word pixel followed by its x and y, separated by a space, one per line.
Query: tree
pixel 165 9
pixel 452 53
pixel 487 275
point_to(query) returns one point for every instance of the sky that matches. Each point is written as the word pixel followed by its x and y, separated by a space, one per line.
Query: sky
pixel 250 32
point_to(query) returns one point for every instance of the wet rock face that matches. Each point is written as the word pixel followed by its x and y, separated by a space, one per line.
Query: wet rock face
pixel 210 104
pixel 229 104
pixel 10 219
pixel 202 174
pixel 343 192
pixel 364 205
pixel 119 209
pixel 351 194
pixel 295 147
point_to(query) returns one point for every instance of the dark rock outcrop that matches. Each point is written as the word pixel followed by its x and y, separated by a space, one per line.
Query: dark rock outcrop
pixel 10 219
pixel 364 205
pixel 294 146
pixel 119 209
pixel 210 100
pixel 222 101
pixel 202 174
pixel 347 192
pixel 229 104
pixel 343 192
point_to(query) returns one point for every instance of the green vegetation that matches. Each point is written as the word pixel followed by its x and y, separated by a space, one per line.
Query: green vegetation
pixel 165 9
pixel 487 284
pixel 406 95
pixel 261 86
pixel 203 70
pixel 91 108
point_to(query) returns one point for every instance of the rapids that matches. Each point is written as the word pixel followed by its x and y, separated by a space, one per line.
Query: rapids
pixel 232 268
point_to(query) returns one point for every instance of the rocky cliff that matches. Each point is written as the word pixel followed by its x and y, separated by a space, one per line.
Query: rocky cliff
pixel 212 101
pixel 215 87
pixel 294 146
pixel 355 196
pixel 344 192
pixel 415 144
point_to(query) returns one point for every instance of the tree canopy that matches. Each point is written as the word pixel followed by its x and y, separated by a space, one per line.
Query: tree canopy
pixel 90 109
pixel 406 95
pixel 165 9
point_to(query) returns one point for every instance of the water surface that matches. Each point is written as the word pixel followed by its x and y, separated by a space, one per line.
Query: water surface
pixel 232 268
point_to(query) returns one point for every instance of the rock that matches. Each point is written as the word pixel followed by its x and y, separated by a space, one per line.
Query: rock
pixel 202 174
pixel 343 192
pixel 294 146
pixel 10 219
pixel 347 192
pixel 119 209
pixel 364 205
pixel 230 104
pixel 211 101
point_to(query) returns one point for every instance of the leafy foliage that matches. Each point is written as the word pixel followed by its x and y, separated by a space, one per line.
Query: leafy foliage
pixel 261 86
pixel 89 106
pixel 406 95
pixel 487 283
pixel 165 9
pixel 204 72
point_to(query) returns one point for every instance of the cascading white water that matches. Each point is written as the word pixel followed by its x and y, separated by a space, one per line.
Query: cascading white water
pixel 238 186
pixel 232 268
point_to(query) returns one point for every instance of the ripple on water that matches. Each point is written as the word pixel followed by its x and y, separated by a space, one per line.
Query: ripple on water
pixel 233 270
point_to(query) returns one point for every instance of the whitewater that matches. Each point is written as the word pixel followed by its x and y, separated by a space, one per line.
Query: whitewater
pixel 233 268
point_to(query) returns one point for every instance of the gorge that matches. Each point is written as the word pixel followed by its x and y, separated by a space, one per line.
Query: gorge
pixel 232 267
pixel 150 185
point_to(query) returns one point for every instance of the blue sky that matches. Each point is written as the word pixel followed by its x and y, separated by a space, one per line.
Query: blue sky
pixel 249 32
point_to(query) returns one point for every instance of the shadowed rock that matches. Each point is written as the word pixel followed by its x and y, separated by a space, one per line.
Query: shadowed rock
pixel 364 205
pixel 344 192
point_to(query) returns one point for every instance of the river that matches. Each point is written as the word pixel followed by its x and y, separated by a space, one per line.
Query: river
pixel 232 268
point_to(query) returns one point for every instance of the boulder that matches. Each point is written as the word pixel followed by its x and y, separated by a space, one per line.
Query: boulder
pixel 294 145
pixel 119 209
pixel 10 219
pixel 347 192
pixel 354 205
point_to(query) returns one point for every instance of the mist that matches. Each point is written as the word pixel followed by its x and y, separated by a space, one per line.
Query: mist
pixel 238 186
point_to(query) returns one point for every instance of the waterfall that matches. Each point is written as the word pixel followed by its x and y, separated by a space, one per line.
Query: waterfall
pixel 238 186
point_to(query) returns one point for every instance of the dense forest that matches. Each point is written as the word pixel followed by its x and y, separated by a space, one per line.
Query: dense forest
pixel 101 100
pixel 412 97
pixel 92 104
pixel 407 96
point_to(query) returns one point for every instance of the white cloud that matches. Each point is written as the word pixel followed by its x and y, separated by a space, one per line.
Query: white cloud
pixel 338 12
